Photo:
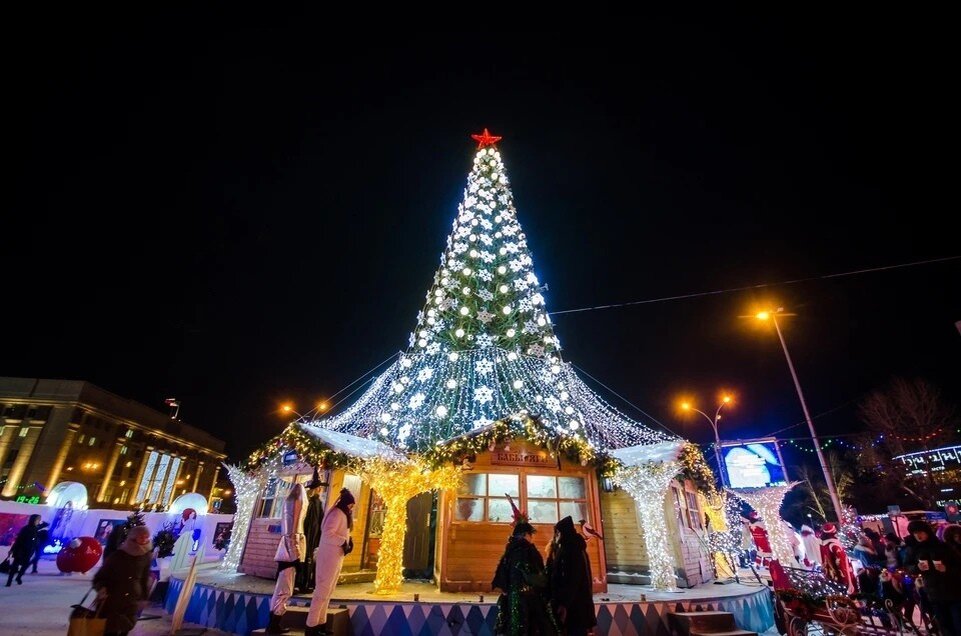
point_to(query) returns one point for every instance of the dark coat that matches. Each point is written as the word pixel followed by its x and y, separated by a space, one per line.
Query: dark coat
pixel 522 608
pixel 570 580
pixel 126 579
pixel 313 521
pixel 939 586
pixel 25 545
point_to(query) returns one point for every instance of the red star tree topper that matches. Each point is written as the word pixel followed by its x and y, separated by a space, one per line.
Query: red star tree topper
pixel 485 139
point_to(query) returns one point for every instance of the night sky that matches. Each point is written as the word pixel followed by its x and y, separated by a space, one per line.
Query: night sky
pixel 240 210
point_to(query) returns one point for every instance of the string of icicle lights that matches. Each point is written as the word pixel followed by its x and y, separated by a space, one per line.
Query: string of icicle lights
pixel 484 348
pixel 247 487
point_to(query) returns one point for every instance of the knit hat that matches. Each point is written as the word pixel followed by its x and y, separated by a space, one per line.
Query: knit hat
pixel 918 525
pixel 346 497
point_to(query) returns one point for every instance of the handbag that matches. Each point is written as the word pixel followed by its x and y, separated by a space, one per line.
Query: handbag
pixel 348 546
pixel 6 566
pixel 85 621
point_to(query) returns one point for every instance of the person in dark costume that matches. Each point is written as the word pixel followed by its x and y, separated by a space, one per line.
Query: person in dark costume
pixel 522 606
pixel 312 524
pixel 43 538
pixel 23 549
pixel 570 581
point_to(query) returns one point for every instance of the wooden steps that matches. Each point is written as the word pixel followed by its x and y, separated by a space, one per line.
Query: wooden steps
pixel 705 624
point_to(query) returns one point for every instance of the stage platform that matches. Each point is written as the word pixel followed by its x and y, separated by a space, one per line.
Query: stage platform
pixel 239 603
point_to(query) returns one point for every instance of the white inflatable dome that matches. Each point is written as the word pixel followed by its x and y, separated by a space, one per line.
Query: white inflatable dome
pixel 190 500
pixel 72 491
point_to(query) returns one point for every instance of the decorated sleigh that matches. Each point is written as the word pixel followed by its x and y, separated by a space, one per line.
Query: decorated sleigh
pixel 806 603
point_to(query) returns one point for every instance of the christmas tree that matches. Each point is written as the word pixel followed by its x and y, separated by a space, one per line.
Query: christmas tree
pixel 484 347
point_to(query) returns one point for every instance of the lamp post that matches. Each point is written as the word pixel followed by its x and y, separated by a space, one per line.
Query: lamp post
pixel 772 316
pixel 725 399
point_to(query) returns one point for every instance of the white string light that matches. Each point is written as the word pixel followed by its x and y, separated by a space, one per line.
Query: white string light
pixel 648 484
pixel 767 501
pixel 247 487
pixel 484 347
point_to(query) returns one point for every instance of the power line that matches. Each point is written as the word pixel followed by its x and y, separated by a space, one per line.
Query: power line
pixel 759 286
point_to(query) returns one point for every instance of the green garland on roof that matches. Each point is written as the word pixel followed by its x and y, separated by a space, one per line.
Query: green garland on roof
pixel 310 450
pixel 574 447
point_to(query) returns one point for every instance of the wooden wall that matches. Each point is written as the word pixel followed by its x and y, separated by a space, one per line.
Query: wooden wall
pixel 261 546
pixel 467 553
pixel 625 546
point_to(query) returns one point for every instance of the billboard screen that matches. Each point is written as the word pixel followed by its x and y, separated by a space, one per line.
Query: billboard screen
pixel 753 463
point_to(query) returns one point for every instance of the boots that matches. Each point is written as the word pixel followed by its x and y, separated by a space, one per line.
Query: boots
pixel 317 630
pixel 273 627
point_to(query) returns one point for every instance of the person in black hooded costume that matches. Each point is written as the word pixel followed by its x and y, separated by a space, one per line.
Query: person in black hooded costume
pixel 522 607
pixel 306 572
pixel 570 582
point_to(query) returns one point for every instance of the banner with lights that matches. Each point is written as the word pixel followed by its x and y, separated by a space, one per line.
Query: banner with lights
pixel 755 463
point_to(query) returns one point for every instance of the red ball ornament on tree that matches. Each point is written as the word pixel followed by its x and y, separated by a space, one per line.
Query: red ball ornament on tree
pixel 80 555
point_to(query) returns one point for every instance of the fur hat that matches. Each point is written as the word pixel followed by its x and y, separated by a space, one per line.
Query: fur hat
pixel 829 528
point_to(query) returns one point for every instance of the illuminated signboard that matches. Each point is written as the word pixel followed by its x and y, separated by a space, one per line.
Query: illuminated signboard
pixel 935 460
pixel 755 463
pixel 30 500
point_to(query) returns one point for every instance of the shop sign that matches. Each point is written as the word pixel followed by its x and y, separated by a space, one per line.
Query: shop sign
pixel 290 457
pixel 520 456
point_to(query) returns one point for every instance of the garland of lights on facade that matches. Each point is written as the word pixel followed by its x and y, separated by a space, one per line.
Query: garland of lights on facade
pixel 309 449
pixel 484 347
pixel 396 483
pixel 247 487
pixel 647 484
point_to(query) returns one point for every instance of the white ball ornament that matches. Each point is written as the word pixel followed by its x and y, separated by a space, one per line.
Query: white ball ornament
pixel 453 356
pixel 506 310
pixel 466 271
pixel 464 311
pixel 459 333
pixel 502 269
pixel 451 384
pixel 503 289
pixel 518 384
pixel 441 411
pixel 385 417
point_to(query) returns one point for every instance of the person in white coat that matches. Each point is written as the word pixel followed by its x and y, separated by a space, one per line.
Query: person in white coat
pixel 335 544
pixel 812 547
pixel 290 552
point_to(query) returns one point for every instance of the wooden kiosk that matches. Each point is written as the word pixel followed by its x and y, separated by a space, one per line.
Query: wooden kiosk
pixel 475 523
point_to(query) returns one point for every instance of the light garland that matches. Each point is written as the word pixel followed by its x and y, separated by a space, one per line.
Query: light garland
pixel 484 347
pixel 247 487
pixel 767 502
pixel 725 538
pixel 648 484
pixel 396 482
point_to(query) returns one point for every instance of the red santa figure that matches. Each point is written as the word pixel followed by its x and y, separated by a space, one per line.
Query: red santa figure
pixel 761 541
pixel 834 559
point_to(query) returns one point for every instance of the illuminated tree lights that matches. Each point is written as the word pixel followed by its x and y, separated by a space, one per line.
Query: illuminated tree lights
pixel 396 482
pixel 648 484
pixel 247 487
pixel 767 501
pixel 483 347
pixel 310 450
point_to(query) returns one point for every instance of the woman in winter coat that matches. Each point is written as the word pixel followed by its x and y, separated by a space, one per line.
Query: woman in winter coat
pixel 940 570
pixel 123 582
pixel 23 548
pixel 569 579
pixel 335 544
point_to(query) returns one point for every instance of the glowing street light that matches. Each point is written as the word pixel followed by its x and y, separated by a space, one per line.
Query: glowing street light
pixel 772 316
pixel 725 399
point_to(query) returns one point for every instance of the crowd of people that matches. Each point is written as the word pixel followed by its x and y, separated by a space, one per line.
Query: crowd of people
pixel 919 571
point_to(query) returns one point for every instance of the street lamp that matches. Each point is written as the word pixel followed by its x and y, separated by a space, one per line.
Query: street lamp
pixel 772 316
pixel 725 399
